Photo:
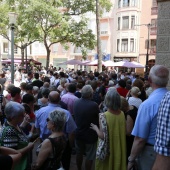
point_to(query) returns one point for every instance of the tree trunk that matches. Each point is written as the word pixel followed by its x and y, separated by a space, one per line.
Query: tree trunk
pixel 48 57
pixel 98 36
pixel 22 56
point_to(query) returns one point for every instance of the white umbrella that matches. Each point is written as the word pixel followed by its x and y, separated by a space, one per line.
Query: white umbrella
pixel 138 64
pixel 109 63
pixel 128 64
pixel 94 63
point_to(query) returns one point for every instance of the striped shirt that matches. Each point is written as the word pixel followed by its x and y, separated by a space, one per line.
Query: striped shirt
pixel 162 144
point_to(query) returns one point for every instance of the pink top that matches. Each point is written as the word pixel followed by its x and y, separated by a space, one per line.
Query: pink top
pixel 69 99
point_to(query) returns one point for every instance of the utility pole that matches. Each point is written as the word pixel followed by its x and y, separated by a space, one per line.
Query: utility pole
pixel 147 52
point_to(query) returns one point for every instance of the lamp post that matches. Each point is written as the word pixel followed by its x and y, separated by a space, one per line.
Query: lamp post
pixel 147 52
pixel 25 41
pixel 12 22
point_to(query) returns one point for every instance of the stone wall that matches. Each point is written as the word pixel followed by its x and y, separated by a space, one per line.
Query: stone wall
pixel 163 34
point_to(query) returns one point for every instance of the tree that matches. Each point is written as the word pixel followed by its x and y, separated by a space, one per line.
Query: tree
pixel 101 5
pixel 58 21
pixel 22 28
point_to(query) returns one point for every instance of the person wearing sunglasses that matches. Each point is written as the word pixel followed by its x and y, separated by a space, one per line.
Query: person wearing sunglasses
pixel 51 149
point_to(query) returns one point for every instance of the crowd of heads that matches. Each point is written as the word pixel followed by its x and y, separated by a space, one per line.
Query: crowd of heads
pixel 89 85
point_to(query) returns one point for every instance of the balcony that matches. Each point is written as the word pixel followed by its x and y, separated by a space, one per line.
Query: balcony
pixel 154 11
pixel 153 31
pixel 153 50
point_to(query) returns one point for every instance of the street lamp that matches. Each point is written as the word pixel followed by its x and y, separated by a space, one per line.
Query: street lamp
pixel 147 53
pixel 25 41
pixel 12 22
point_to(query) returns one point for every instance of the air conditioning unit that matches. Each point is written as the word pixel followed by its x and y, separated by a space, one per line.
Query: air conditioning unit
pixel 103 32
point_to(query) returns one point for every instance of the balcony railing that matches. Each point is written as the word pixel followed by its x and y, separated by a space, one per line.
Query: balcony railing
pixel 153 31
pixel 154 10
pixel 153 50
pixel 125 4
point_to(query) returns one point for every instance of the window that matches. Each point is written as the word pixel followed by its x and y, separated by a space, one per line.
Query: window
pixel 64 49
pixel 77 49
pixel 153 30
pixel 119 3
pixel 154 3
pixel 132 49
pixel 104 46
pixel 154 23
pixel 133 2
pixel 132 22
pixel 125 23
pixel 118 23
pixel 118 45
pixel 104 28
pixel 55 47
pixel 124 46
pixel 153 46
pixel 125 3
pixel 153 43
pixel 5 47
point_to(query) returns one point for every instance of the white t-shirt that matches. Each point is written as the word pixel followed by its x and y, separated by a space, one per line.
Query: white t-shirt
pixel 133 101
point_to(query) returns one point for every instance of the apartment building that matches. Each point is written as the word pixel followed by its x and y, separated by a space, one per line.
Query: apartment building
pixel 149 14
pixel 136 23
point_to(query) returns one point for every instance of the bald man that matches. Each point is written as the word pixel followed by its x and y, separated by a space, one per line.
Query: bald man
pixel 41 125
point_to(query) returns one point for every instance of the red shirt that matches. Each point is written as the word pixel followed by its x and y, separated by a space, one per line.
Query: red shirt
pixel 122 91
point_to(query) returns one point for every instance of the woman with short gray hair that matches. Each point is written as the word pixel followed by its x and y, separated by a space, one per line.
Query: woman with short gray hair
pixel 12 135
pixel 116 132
pixel 55 142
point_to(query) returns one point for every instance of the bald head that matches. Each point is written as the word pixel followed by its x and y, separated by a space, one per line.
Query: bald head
pixel 54 97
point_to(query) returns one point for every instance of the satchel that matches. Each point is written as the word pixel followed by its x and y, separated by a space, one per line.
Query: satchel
pixel 103 144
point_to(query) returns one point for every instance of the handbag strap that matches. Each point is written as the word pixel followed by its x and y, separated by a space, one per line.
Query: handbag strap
pixel 103 122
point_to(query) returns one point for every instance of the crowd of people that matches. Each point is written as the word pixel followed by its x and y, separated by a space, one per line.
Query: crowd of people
pixel 115 121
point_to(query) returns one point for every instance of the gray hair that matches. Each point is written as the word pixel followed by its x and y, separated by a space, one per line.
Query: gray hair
pixel 35 88
pixel 159 75
pixel 87 92
pixel 13 109
pixel 112 99
pixel 135 91
pixel 59 119
pixel 111 83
